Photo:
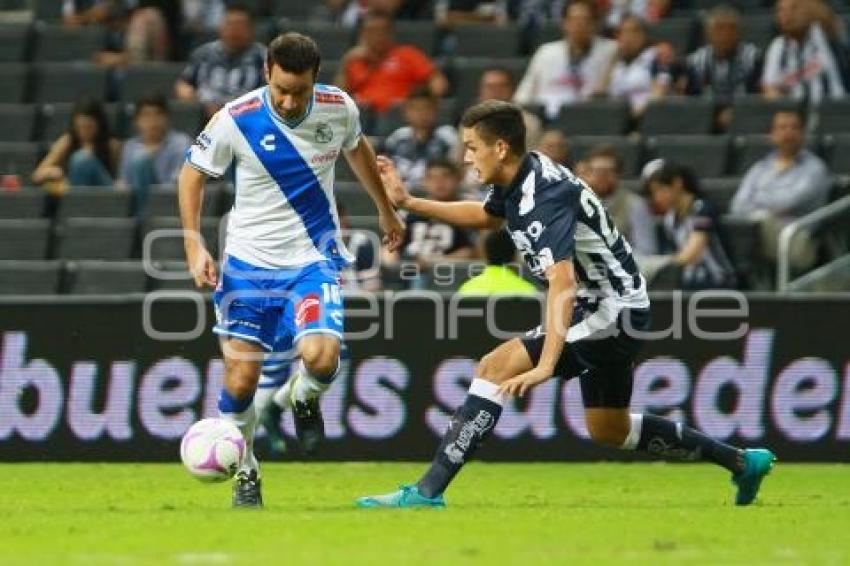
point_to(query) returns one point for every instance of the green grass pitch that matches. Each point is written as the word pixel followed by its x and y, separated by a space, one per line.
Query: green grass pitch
pixel 529 514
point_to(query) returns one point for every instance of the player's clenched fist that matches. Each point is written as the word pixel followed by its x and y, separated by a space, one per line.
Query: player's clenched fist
pixel 393 229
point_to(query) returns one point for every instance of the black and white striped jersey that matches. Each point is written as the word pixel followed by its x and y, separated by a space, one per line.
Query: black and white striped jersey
pixel 552 215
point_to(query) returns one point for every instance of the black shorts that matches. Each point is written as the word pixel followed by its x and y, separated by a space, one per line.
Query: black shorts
pixel 603 361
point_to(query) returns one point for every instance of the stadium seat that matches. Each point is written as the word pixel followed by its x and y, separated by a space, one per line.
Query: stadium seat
pixel 466 73
pixel 678 116
pixel 494 42
pixel 62 43
pixel 837 148
pixel 743 243
pixel 720 190
pixel 94 202
pixel 598 117
pixel 14 43
pixel 63 82
pixel 547 33
pixel 420 34
pixel 187 116
pixel 18 122
pixel 162 238
pixel 679 32
pixel 343 171
pixel 333 40
pixel 15 78
pixel 628 147
pixel 56 119
pixel 747 150
pixel 355 199
pixel 754 114
pixel 24 239
pixel 175 276
pixel 47 10
pixel 30 277
pixel 150 78
pixel 105 277
pixel 707 156
pixel 327 72
pixel 22 204
pixel 162 202
pixel 833 117
pixel 758 28
pixel 19 158
pixel 293 10
pixel 96 238
pixel 744 6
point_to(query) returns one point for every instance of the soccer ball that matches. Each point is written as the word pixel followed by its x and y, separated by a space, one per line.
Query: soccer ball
pixel 211 450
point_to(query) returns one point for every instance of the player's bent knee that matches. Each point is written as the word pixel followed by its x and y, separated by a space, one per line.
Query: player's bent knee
pixel 240 380
pixel 320 356
pixel 609 433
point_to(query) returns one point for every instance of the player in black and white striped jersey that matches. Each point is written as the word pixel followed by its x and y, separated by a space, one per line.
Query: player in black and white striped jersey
pixel 567 239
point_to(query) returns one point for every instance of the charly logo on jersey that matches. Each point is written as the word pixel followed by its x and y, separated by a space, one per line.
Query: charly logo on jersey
pixel 324 132
pixel 268 142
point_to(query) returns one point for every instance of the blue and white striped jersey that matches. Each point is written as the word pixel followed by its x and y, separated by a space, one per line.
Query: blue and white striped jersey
pixel 552 215
pixel 284 214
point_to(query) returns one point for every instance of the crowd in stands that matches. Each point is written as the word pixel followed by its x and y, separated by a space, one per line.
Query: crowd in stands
pixel 568 54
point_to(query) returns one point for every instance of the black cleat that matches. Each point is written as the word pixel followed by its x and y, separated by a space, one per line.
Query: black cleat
pixel 270 419
pixel 247 490
pixel 309 425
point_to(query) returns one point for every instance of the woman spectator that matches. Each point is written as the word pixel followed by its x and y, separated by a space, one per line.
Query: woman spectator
pixel 692 232
pixel 85 155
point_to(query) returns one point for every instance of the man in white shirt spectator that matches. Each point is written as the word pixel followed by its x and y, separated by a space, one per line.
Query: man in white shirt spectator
pixel 801 62
pixel 572 69
pixel 788 183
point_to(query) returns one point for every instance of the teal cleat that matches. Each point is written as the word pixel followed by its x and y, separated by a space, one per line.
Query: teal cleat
pixel 407 496
pixel 757 464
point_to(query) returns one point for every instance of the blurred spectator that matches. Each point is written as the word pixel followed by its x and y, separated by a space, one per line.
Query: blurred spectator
pixel 554 145
pixel 226 68
pixel 147 36
pixel 379 73
pixel 86 155
pixel 572 69
pixel 155 155
pixel 421 141
pixel 345 13
pixel 691 228
pixel 428 241
pixel 365 271
pixel 202 16
pixel 581 169
pixel 726 66
pixel 641 72
pixel 784 185
pixel 498 83
pixel 451 13
pixel 498 278
pixel 629 211
pixel 649 11
pixel 802 62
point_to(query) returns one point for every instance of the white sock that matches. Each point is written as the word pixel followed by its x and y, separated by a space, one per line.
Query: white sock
pixel 302 386
pixel 246 422
pixel 631 441
pixel 263 397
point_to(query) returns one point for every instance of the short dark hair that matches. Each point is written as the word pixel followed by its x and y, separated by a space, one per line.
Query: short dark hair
pixel 497 120
pixel 605 152
pixel 155 100
pixel 667 173
pixel 589 4
pixel 240 7
pixel 789 110
pixel 445 163
pixel 499 248
pixel 423 93
pixel 294 53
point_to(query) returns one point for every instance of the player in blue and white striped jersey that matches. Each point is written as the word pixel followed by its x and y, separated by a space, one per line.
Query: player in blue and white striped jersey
pixel 567 239
pixel 283 253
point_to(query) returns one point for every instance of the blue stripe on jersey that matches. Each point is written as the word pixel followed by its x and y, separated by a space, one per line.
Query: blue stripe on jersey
pixel 294 178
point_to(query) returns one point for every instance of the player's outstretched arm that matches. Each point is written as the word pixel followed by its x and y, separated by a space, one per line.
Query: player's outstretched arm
pixel 190 192
pixel 466 214
pixel 362 161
